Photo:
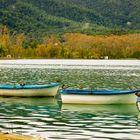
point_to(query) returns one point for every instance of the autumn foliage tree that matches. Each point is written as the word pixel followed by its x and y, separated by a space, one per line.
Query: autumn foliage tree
pixel 69 45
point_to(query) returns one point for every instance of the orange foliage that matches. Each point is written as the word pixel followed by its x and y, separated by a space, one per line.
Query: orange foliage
pixel 71 45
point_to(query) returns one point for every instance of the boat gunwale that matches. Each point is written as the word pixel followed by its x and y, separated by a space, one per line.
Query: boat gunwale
pixel 98 92
pixel 18 87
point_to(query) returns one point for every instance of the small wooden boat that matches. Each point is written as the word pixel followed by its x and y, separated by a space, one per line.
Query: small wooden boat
pixel 99 96
pixel 29 90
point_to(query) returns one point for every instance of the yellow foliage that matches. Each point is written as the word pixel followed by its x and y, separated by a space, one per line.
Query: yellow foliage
pixel 71 45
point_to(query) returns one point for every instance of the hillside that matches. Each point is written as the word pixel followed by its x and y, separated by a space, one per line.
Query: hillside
pixel 122 13
pixel 39 17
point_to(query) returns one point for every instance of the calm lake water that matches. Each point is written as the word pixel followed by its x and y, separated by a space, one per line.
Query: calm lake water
pixel 48 118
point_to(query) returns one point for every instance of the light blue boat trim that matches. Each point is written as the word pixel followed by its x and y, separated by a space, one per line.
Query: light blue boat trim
pixel 99 92
pixel 28 86
pixel 138 99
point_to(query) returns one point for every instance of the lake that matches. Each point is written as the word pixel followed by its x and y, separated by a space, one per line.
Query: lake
pixel 49 118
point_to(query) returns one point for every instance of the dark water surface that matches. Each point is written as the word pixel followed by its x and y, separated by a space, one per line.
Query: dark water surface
pixel 47 117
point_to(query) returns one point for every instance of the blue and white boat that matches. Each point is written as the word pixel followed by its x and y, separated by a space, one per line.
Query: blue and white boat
pixel 99 96
pixel 29 90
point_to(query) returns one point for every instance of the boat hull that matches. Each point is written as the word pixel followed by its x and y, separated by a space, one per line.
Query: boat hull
pixel 98 99
pixel 49 91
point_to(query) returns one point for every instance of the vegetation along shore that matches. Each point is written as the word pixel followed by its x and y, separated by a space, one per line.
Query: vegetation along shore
pixel 69 45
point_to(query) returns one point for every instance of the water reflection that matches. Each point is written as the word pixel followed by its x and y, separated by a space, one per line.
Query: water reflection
pixel 115 109
pixel 49 101
pixel 102 121
pixel 28 115
pixel 44 117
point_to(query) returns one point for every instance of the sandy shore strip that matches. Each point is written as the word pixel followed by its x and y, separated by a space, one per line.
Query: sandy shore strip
pixel 9 136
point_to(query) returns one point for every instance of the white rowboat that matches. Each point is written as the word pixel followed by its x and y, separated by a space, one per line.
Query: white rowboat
pixel 29 90
pixel 99 96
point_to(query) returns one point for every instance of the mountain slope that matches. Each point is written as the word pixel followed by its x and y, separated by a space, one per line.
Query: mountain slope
pixel 116 12
pixel 54 16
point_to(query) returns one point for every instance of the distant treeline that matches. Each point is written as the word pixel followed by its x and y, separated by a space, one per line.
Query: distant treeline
pixel 69 45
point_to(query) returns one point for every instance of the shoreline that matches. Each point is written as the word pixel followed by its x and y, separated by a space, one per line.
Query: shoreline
pixel 71 64
pixel 14 136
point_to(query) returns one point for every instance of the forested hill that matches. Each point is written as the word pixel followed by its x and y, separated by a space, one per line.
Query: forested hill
pixel 56 16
